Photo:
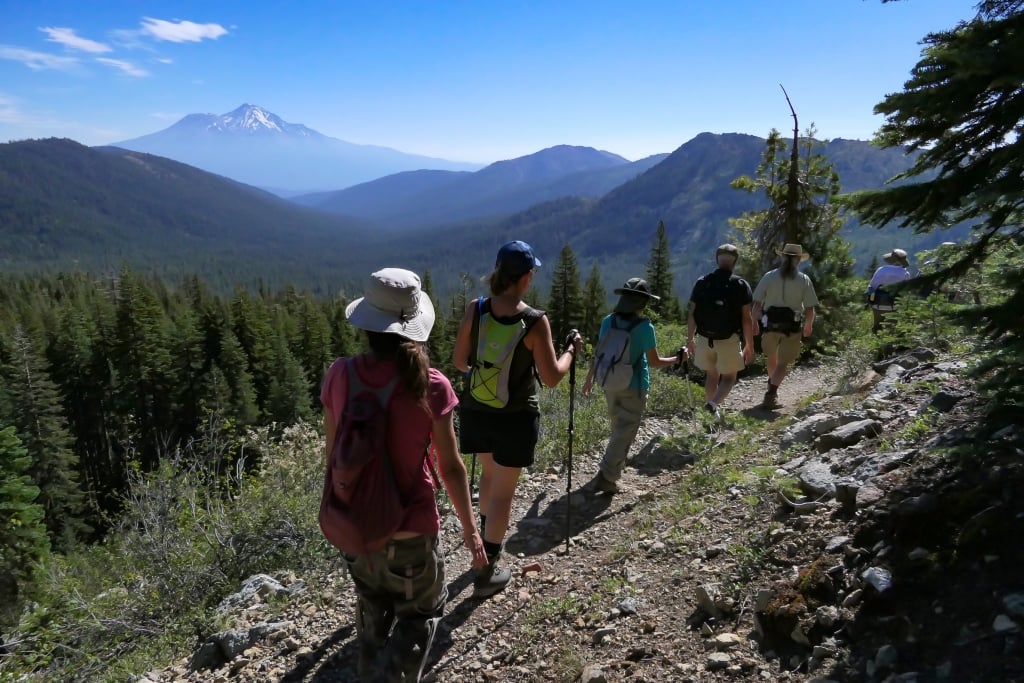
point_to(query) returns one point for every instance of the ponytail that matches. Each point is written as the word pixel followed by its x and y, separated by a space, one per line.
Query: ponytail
pixel 410 358
pixel 788 268
pixel 502 279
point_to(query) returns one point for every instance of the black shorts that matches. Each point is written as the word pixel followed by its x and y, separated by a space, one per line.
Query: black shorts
pixel 511 437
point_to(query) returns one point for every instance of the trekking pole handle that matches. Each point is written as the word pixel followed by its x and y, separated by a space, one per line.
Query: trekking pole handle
pixel 570 339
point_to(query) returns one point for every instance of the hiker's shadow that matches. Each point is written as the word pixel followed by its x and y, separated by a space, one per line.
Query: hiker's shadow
pixel 454 619
pixel 763 414
pixel 328 668
pixel 538 532
pixel 662 455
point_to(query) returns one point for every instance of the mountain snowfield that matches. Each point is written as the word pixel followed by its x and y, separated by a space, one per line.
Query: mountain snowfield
pixel 257 147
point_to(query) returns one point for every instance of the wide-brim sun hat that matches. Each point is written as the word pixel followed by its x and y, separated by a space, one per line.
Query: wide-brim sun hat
pixel 634 295
pixel 793 250
pixel 394 303
pixel 896 256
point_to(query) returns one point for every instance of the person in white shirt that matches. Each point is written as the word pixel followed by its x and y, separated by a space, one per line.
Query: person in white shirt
pixel 883 301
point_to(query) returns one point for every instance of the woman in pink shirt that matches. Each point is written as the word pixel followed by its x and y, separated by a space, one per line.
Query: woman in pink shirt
pixel 403 585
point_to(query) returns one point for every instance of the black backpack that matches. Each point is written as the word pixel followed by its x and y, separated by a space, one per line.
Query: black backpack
pixel 719 309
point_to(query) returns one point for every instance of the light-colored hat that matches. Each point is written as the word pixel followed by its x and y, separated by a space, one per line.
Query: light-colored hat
pixel 896 256
pixel 634 295
pixel 727 248
pixel 394 303
pixel 793 250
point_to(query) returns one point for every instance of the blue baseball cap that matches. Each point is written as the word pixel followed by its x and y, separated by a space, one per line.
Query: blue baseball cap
pixel 518 257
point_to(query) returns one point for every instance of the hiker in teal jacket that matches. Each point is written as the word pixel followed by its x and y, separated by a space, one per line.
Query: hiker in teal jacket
pixel 626 406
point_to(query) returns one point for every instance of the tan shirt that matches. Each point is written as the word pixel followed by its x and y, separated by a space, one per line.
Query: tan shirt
pixel 796 293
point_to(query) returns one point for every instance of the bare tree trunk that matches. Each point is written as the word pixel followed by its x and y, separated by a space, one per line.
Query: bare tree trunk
pixel 791 211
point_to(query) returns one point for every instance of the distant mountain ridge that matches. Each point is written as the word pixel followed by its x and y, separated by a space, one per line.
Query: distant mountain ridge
pixel 63 204
pixel 689 190
pixel 255 146
pixel 420 199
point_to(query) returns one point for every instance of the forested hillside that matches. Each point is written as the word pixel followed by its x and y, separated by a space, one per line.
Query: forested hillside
pixel 64 205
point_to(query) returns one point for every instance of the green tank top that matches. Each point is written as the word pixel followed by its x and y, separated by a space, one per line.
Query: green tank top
pixel 523 388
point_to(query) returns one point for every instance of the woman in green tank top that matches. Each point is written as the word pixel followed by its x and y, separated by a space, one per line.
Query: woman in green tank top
pixel 499 417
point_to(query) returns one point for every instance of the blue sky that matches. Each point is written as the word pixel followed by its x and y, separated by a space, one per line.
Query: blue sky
pixel 470 81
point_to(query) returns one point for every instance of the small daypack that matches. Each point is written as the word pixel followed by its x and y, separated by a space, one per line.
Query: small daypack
pixel 781 319
pixel 718 313
pixel 361 507
pixel 492 361
pixel 882 299
pixel 613 369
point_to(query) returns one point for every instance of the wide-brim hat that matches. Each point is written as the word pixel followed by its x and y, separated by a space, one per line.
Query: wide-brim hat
pixel 394 303
pixel 793 250
pixel 896 256
pixel 634 295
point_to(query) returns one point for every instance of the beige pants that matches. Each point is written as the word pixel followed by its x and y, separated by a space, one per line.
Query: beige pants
pixel 785 346
pixel 625 410
pixel 726 356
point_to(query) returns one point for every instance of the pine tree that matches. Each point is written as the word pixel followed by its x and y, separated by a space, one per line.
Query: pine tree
pixel 439 344
pixel 142 358
pixel 37 415
pixel 801 186
pixel 659 277
pixel 565 305
pixel 595 299
pixel 22 530
pixel 962 110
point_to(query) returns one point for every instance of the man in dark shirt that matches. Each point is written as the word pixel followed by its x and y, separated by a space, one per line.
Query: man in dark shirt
pixel 719 315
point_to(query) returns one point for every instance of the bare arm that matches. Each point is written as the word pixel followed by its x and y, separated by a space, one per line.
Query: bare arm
pixel 808 320
pixel 464 338
pixel 550 367
pixel 747 321
pixel 453 472
pixel 691 329
pixel 755 318
pixel 655 360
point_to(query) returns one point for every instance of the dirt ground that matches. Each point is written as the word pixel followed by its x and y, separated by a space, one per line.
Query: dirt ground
pixel 623 603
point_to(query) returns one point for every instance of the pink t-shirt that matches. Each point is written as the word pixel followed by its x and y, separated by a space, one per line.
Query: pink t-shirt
pixel 409 436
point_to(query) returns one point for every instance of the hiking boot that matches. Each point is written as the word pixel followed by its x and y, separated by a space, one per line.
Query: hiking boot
pixel 490 579
pixel 601 485
pixel 712 408
pixel 771 400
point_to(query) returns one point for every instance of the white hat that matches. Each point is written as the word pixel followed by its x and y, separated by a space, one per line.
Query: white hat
pixel 394 303
pixel 896 256
pixel 793 250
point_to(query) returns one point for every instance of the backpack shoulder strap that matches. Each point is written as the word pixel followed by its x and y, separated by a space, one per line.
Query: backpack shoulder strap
pixel 357 386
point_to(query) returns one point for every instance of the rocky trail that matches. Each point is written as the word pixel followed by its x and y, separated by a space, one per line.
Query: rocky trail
pixel 888 562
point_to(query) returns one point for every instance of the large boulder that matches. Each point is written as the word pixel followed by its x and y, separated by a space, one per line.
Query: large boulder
pixel 848 435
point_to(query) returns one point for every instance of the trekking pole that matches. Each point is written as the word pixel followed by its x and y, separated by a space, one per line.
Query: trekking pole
pixel 572 427
pixel 684 365
pixel 474 493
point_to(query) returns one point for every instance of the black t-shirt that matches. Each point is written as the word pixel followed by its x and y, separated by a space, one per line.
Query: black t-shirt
pixel 720 297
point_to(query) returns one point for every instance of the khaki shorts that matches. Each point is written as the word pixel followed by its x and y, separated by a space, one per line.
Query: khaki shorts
pixel 726 355
pixel 785 346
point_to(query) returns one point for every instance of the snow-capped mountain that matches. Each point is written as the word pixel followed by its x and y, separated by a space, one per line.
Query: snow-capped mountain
pixel 255 146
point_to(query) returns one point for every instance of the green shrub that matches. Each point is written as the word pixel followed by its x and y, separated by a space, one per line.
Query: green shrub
pixel 186 540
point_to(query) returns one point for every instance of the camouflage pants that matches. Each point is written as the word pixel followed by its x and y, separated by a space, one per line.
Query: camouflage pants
pixel 401 595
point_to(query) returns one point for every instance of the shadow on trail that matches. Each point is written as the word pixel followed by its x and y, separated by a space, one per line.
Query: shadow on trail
pixel 340 666
pixel 538 532
pixel 454 619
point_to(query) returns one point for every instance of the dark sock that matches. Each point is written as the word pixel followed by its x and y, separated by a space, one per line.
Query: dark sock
pixel 772 388
pixel 483 524
pixel 492 550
